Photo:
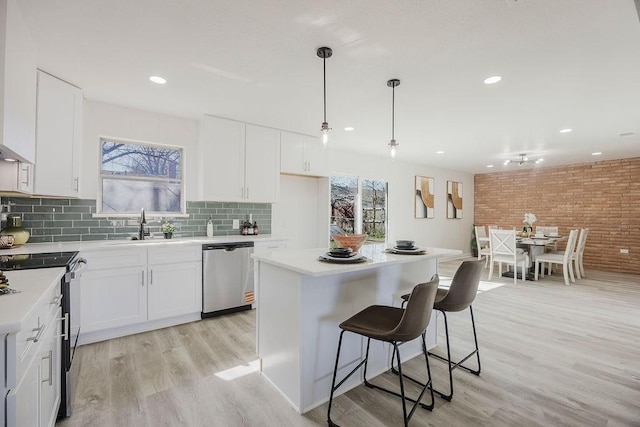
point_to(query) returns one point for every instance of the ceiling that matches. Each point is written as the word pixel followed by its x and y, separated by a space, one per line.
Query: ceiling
pixel 564 64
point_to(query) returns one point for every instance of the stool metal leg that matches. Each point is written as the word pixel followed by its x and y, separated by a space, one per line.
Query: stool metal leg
pixel 334 387
pixel 454 365
pixel 428 385
pixel 364 362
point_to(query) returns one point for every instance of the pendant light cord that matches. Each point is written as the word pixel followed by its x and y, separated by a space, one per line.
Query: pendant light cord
pixel 393 112
pixel 324 80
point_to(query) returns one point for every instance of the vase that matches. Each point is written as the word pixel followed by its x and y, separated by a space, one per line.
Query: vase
pixel 14 228
pixel 168 235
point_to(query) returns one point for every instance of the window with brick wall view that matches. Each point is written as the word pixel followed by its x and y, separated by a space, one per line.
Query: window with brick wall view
pixel 140 175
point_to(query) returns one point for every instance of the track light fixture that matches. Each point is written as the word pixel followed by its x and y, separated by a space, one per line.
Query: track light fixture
pixel 393 145
pixel 324 53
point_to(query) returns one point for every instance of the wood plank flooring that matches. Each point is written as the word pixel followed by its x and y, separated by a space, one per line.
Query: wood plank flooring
pixel 551 355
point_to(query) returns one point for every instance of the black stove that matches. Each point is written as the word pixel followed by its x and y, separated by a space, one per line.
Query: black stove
pixel 29 261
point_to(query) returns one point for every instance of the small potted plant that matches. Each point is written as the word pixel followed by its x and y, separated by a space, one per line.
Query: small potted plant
pixel 168 229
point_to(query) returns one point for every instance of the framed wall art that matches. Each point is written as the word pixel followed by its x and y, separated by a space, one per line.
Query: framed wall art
pixel 424 197
pixel 454 200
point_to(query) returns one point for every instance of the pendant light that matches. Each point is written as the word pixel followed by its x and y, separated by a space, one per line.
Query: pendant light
pixel 324 53
pixel 393 145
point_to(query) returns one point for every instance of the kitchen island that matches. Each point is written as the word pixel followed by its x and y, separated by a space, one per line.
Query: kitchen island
pixel 301 302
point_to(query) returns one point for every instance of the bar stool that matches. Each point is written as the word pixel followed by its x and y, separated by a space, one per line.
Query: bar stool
pixel 395 326
pixel 459 296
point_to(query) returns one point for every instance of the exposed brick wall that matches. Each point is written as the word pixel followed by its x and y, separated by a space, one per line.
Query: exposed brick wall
pixel 602 196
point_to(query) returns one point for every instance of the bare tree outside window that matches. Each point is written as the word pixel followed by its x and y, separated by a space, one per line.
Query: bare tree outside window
pixel 373 196
pixel 374 209
pixel 135 176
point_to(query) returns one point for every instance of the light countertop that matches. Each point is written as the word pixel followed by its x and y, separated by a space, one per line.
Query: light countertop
pixel 305 261
pixel 33 285
pixel 30 248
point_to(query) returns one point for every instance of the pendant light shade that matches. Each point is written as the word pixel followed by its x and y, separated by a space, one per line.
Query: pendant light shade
pixel 324 53
pixel 393 145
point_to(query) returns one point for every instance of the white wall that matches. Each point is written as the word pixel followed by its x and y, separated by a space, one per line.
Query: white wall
pixel 102 119
pixel 437 232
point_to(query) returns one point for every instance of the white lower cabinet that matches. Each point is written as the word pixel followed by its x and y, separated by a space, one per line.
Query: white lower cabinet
pixel 174 289
pixel 124 293
pixel 34 355
pixel 112 297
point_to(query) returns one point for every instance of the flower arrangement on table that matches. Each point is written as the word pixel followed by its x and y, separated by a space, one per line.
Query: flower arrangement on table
pixel 529 219
pixel 168 229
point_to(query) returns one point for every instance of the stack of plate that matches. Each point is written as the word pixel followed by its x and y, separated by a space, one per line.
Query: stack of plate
pixel 406 247
pixel 342 256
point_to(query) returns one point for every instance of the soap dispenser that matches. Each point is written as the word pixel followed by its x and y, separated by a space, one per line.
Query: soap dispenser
pixel 210 227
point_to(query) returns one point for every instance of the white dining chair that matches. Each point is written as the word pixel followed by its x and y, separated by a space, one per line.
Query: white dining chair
pixel 502 244
pixel 563 258
pixel 577 255
pixel 482 241
pixel 548 230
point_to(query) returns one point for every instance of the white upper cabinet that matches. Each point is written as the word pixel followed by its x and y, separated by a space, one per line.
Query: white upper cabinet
pixel 16 176
pixel 302 155
pixel 262 164
pixel 238 162
pixel 18 61
pixel 58 137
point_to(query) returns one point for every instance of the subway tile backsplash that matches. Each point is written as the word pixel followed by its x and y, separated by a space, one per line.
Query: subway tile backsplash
pixel 67 220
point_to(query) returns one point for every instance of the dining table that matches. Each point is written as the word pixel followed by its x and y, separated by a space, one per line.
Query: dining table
pixel 534 246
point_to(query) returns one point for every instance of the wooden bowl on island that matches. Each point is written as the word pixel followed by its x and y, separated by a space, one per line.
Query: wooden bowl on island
pixel 353 241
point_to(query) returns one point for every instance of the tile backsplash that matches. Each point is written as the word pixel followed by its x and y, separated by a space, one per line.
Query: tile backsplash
pixel 65 220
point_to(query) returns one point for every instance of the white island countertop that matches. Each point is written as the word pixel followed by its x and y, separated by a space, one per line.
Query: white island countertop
pixel 305 261
pixel 33 286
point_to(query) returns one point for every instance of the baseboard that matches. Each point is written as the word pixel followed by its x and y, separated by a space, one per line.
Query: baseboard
pixel 107 334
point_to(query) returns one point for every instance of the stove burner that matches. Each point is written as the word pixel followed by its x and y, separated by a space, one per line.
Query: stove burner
pixel 42 260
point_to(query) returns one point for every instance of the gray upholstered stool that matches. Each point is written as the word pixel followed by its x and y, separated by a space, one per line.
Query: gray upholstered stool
pixel 395 326
pixel 458 297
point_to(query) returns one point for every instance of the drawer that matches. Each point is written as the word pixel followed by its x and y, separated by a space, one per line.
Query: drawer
pixel 100 259
pixel 175 253
pixel 269 245
pixel 23 346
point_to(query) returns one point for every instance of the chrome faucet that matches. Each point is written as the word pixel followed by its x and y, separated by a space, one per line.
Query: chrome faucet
pixel 143 221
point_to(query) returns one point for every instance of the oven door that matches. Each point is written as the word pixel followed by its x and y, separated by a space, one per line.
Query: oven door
pixel 74 309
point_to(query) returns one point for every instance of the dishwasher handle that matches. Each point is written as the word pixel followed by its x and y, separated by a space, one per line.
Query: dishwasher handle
pixel 228 247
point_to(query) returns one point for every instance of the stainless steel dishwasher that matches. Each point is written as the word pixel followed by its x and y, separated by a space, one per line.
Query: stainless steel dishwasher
pixel 227 278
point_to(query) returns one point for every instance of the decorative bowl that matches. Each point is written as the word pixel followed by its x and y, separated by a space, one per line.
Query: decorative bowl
pixel 353 241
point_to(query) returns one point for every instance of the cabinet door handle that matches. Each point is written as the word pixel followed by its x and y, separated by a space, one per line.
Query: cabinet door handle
pixel 151 278
pixel 39 329
pixel 143 279
pixel 26 173
pixel 247 192
pixel 76 184
pixel 50 357
pixel 65 335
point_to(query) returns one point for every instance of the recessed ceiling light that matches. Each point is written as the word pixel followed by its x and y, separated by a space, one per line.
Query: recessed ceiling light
pixel 10 160
pixel 597 153
pixel 349 128
pixel 566 130
pixel 440 152
pixel 491 80
pixel 489 166
pixel 157 79
pixel 539 160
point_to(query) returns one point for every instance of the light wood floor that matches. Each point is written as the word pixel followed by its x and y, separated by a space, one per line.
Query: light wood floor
pixel 551 355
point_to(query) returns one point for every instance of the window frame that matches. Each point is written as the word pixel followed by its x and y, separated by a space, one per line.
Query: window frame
pixel 358 213
pixel 149 214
